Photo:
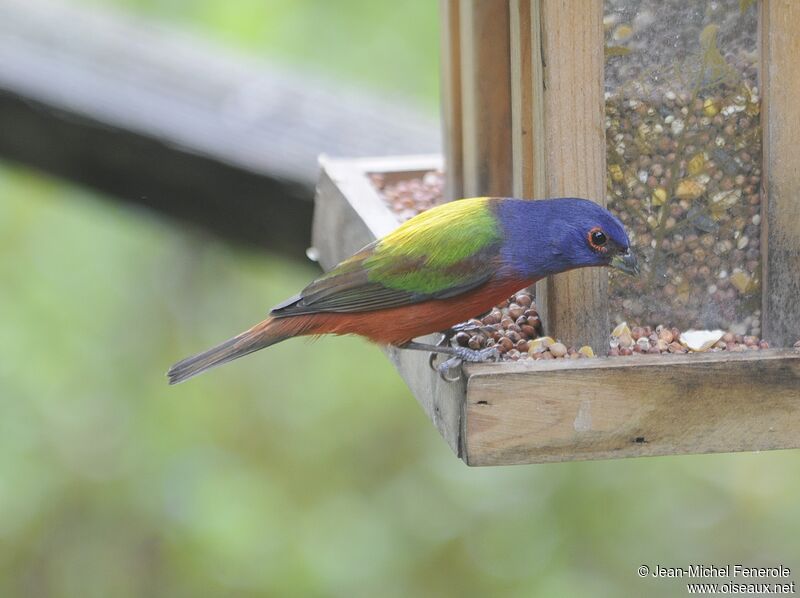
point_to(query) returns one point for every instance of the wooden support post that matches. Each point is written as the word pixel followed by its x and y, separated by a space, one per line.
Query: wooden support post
pixel 559 142
pixel 780 120
pixel 527 107
pixel 485 98
pixel 450 71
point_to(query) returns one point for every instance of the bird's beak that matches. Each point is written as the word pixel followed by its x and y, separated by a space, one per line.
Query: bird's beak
pixel 626 262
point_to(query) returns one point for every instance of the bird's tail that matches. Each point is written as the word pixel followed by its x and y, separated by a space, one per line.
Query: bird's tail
pixel 260 336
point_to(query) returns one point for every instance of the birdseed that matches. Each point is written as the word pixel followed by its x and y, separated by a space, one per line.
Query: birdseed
pixel 683 138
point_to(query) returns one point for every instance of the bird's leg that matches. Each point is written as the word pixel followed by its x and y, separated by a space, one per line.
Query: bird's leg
pixel 445 341
pixel 447 337
pixel 458 355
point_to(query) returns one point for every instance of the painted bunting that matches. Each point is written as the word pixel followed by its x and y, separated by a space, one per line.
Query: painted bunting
pixel 442 267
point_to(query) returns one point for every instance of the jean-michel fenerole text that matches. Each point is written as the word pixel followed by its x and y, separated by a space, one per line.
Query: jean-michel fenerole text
pixel 722 571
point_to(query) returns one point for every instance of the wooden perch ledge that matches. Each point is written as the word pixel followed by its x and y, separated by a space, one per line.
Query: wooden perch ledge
pixel 632 406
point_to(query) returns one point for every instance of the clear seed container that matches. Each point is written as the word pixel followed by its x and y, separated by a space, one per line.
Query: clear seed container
pixel 683 140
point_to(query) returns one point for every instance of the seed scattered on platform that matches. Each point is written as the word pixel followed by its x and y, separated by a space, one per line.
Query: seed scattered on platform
pixel 701 340
pixel 541 344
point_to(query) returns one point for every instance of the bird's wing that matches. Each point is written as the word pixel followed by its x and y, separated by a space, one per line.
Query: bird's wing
pixel 439 254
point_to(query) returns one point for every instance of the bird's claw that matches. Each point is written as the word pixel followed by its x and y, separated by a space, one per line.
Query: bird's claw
pixel 462 354
pixel 447 336
pixel 454 363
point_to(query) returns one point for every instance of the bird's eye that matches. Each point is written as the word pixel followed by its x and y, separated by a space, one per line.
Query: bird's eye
pixel 597 238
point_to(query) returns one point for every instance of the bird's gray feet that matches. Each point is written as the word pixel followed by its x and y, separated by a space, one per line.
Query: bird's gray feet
pixel 447 336
pixel 453 364
pixel 458 355
pixel 461 355
pixel 477 356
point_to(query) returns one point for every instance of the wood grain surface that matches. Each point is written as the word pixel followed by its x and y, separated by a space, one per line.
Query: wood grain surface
pixel 780 120
pixel 485 97
pixel 627 407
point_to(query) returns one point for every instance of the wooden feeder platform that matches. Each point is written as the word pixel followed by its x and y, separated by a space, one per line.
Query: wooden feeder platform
pixel 561 410
pixel 523 107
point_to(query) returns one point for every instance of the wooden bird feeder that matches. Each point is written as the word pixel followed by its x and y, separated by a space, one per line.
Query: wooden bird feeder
pixel 545 98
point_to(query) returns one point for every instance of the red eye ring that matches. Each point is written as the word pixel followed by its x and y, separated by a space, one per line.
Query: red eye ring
pixel 597 239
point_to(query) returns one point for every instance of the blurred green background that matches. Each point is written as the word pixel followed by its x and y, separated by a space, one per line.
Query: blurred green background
pixel 308 469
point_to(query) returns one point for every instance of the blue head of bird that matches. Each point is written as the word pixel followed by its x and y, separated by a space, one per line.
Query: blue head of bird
pixel 553 235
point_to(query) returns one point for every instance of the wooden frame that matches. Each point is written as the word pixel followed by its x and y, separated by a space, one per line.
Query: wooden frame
pixel 523 114
pixel 780 119
pixel 546 86
pixel 485 98
pixel 534 127
pixel 559 410
pixel 552 80
pixel 450 91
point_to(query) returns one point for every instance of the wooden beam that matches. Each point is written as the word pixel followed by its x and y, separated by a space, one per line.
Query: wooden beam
pixel 159 118
pixel 527 105
pixel 450 71
pixel 780 119
pixel 574 305
pixel 235 203
pixel 606 408
pixel 548 94
pixel 485 97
